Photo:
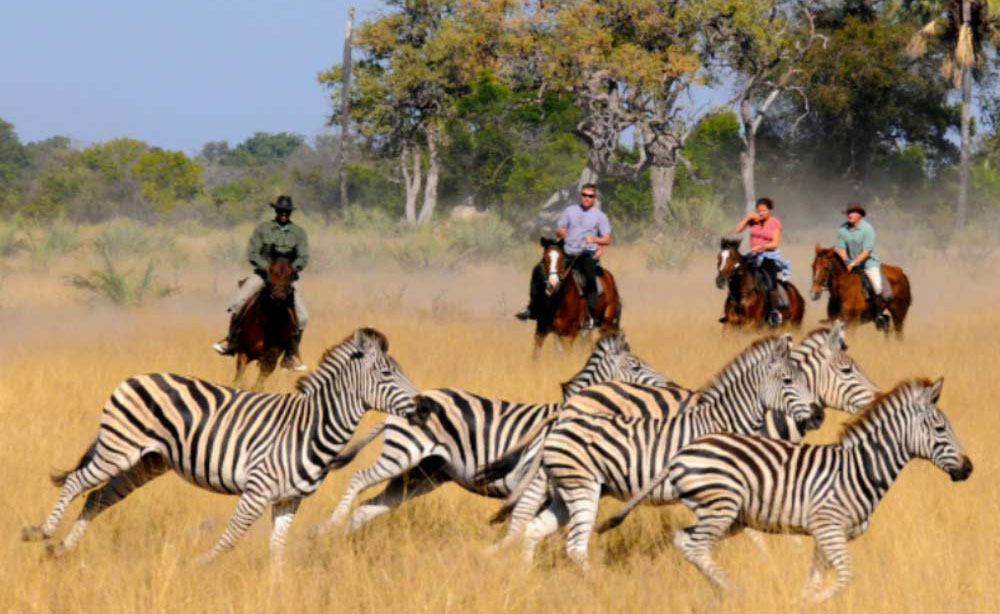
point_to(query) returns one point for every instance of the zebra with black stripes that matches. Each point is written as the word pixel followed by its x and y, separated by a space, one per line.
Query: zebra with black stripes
pixel 614 438
pixel 828 491
pixel 462 432
pixel 833 377
pixel 271 449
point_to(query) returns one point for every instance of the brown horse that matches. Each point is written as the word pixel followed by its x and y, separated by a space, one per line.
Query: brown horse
pixel 267 324
pixel 745 297
pixel 565 307
pixel 848 299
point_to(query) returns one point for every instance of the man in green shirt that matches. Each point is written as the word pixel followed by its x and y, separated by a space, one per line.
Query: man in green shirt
pixel 278 236
pixel 856 247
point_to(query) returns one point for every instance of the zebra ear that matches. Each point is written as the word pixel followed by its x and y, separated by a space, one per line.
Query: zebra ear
pixel 784 346
pixel 368 339
pixel 835 340
pixel 934 392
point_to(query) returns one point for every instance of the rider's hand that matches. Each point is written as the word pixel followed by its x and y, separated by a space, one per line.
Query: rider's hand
pixel 850 265
pixel 589 239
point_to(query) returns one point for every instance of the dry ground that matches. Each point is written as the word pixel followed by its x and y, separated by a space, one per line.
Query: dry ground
pixel 932 546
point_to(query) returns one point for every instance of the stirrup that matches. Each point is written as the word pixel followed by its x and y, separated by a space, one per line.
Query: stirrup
pixel 223 348
pixel 524 314
pixel 588 323
pixel 881 322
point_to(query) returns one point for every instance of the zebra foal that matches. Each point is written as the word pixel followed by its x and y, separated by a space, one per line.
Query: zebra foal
pixel 271 449
pixel 828 491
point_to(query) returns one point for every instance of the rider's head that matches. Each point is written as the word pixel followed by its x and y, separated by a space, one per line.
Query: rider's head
pixel 854 213
pixel 588 195
pixel 764 206
pixel 283 208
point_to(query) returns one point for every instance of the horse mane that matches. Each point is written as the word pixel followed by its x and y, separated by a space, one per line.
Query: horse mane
pixel 758 350
pixel 832 254
pixel 336 358
pixel 858 425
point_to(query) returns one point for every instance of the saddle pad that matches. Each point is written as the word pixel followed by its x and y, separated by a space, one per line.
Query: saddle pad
pixel 581 282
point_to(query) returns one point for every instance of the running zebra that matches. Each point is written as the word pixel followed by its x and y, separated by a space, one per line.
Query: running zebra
pixel 464 432
pixel 833 377
pixel 614 438
pixel 829 491
pixel 271 449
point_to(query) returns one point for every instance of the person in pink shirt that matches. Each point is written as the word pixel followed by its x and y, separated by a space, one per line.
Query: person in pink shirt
pixel 765 239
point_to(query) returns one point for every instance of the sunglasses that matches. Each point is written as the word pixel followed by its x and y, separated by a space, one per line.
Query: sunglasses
pixel 587 195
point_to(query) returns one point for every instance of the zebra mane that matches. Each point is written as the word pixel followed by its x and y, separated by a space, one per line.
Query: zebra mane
pixel 815 338
pixel 762 349
pixel 883 404
pixel 334 359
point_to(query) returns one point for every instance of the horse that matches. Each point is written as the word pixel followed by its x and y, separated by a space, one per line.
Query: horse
pixel 267 324
pixel 848 299
pixel 745 304
pixel 565 306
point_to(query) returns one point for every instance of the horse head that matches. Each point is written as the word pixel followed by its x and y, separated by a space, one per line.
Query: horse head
pixel 825 268
pixel 554 262
pixel 279 278
pixel 728 261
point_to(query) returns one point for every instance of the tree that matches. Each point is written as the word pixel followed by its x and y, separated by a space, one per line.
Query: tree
pixel 262 149
pixel 13 159
pixel 964 27
pixel 166 177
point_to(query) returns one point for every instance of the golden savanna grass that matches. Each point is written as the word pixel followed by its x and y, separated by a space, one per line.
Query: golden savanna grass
pixel 932 545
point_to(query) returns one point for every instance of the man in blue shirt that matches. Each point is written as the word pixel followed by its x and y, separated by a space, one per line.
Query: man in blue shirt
pixel 856 247
pixel 585 230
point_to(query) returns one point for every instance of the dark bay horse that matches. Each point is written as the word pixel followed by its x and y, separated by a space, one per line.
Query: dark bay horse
pixel 848 299
pixel 565 307
pixel 267 324
pixel 746 305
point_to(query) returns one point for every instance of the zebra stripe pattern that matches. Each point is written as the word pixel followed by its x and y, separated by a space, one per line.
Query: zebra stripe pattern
pixel 271 449
pixel 464 432
pixel 834 378
pixel 829 491
pixel 614 438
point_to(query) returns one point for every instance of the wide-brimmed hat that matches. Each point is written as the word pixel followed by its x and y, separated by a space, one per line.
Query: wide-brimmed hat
pixel 855 208
pixel 284 203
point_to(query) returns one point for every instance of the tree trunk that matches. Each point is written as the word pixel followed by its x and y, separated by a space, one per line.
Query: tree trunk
pixel 587 175
pixel 748 158
pixel 662 179
pixel 433 172
pixel 345 120
pixel 411 181
pixel 963 182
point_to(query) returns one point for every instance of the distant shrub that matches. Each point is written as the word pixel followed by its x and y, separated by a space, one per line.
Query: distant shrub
pixel 46 245
pixel 483 238
pixel 421 248
pixel 671 251
pixel 10 241
pixel 129 288
pixel 229 252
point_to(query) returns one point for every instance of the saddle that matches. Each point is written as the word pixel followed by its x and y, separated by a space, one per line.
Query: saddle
pixel 870 291
pixel 581 282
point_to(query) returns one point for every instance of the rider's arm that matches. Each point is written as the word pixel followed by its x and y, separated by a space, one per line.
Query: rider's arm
pixel 750 217
pixel 301 253
pixel 257 259
pixel 861 257
pixel 772 244
pixel 561 231
pixel 602 240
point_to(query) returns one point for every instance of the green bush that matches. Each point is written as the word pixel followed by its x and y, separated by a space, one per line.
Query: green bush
pixel 46 245
pixel 129 288
pixel 421 248
pixel 10 242
pixel 483 238
pixel 671 251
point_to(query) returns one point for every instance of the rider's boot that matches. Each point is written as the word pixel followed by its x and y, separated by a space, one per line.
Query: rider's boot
pixel 525 314
pixel 878 313
pixel 227 346
pixel 291 359
pixel 588 320
pixel 774 317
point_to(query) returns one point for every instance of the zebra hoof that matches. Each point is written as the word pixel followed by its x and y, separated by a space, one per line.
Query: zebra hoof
pixel 56 550
pixel 204 559
pixel 33 534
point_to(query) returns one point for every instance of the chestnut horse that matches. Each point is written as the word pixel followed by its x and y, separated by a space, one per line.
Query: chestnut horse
pixel 565 306
pixel 267 323
pixel 745 301
pixel 848 299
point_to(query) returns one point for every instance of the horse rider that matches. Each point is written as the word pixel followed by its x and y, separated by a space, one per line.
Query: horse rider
pixel 585 231
pixel 277 237
pixel 765 240
pixel 856 247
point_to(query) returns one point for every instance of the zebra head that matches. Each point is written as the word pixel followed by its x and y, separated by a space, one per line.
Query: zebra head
pixel 613 360
pixel 834 378
pixel 931 435
pixel 784 388
pixel 358 374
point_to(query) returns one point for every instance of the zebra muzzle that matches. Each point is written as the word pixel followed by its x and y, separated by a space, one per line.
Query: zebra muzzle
pixel 961 473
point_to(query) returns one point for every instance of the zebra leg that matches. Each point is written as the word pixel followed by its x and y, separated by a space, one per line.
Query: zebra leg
pixel 385 468
pixel 149 468
pixel 817 568
pixel 581 502
pixel 832 542
pixel 282 515
pixel 419 481
pixel 527 508
pixel 248 510
pixel 94 470
pixel 711 525
pixel 543 525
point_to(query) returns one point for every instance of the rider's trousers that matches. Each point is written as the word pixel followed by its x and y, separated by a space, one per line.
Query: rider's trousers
pixel 255 284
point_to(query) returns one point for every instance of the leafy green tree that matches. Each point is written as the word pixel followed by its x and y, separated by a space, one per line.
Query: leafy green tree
pixel 259 150
pixel 166 177
pixel 13 159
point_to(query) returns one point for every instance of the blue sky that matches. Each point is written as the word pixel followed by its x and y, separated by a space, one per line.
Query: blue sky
pixel 175 74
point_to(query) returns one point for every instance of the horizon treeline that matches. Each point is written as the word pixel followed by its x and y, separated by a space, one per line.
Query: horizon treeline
pixel 681 112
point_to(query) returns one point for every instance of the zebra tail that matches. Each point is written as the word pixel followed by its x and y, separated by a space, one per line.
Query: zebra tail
pixel 618 518
pixel 59 477
pixel 346 456
pixel 506 463
pixel 508 507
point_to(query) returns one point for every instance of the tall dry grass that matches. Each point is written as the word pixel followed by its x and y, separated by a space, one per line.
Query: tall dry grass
pixel 932 546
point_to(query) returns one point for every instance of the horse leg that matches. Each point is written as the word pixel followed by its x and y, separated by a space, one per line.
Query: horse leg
pixel 267 364
pixel 539 342
pixel 566 341
pixel 241 366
